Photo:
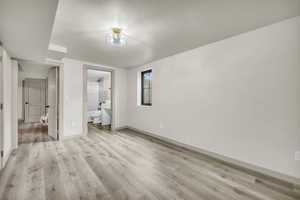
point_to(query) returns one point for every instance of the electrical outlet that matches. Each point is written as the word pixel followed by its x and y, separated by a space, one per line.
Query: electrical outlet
pixel 297 155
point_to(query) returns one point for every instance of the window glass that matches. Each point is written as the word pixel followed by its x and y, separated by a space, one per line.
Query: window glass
pixel 146 87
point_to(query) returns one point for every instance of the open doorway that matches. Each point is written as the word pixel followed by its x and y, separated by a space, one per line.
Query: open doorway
pixel 99 98
pixel 38 91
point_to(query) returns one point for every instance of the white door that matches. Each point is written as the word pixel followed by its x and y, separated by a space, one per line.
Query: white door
pixel 35 99
pixel 52 106
pixel 6 111
pixel 1 113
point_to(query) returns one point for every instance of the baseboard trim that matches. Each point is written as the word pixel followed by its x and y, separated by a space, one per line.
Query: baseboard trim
pixel 121 128
pixel 69 137
pixel 6 157
pixel 256 171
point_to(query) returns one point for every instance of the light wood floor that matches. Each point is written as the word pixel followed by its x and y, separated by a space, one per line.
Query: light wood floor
pixel 123 165
pixel 32 133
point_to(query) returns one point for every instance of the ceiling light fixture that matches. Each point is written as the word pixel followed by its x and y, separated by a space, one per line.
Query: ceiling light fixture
pixel 116 38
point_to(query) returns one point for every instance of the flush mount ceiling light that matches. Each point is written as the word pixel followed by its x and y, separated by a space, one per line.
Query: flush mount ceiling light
pixel 116 37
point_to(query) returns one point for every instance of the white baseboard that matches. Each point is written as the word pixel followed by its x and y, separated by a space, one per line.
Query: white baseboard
pixel 69 137
pixel 121 128
pixel 6 157
pixel 233 162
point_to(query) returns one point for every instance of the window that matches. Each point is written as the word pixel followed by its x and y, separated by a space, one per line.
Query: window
pixel 146 80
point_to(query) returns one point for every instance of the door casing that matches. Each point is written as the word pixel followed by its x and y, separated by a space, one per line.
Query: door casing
pixel 1 113
pixel 87 67
pixel 34 104
pixel 53 102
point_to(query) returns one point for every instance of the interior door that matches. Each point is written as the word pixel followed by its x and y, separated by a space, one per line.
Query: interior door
pixel 35 99
pixel 52 106
pixel 6 111
pixel 1 113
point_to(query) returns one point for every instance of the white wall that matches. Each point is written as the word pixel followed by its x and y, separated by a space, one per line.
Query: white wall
pixel 93 95
pixel 238 97
pixel 101 90
pixel 98 91
pixel 73 96
pixel 106 83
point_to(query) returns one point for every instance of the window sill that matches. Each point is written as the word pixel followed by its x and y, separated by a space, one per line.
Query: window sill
pixel 144 106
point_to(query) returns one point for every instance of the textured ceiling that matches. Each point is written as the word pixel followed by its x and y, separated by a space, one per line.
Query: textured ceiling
pixel 158 28
pixel 26 27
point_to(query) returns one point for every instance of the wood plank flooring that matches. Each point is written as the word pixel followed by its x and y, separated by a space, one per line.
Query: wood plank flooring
pixel 124 165
pixel 32 133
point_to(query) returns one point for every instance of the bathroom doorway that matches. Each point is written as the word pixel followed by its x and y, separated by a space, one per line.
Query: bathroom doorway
pixel 98 98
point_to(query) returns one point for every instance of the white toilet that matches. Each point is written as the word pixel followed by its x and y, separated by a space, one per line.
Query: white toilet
pixel 95 116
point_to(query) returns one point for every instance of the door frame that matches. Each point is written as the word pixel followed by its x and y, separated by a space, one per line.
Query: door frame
pixel 25 95
pixel 87 67
pixel 13 103
pixel 60 99
pixel 1 108
pixel 57 99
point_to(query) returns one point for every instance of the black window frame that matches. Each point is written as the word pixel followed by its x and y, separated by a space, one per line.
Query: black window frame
pixel 142 87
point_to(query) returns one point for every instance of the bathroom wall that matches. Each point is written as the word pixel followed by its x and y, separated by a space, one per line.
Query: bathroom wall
pixel 93 88
pixel 99 87
pixel 106 84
